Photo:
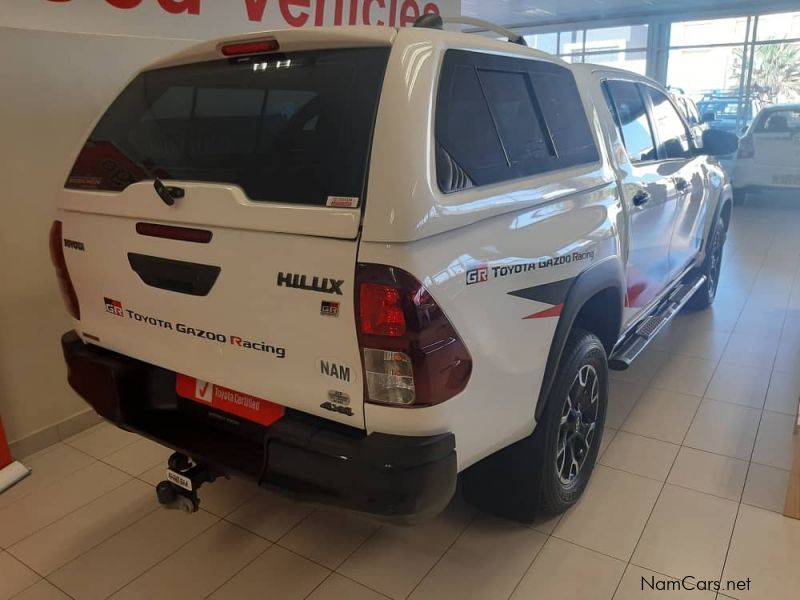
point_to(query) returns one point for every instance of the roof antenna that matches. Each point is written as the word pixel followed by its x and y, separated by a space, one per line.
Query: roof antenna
pixel 434 21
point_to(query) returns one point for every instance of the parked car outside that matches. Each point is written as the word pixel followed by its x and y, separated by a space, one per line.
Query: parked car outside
pixel 723 112
pixel 769 154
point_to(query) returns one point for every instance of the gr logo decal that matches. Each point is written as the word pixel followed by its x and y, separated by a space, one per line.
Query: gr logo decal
pixel 114 307
pixel 339 371
pixel 329 309
pixel 478 275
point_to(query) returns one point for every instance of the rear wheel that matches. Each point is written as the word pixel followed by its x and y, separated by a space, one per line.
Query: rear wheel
pixel 571 427
pixel 711 268
pixel 547 471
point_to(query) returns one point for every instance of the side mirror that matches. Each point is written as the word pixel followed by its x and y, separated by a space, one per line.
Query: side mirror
pixel 719 143
pixel 709 117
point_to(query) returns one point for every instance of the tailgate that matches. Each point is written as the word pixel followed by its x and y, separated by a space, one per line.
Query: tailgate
pixel 245 280
pixel 777 149
pixel 776 139
pixel 268 314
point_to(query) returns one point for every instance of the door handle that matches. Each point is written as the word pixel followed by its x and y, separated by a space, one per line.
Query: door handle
pixel 641 198
pixel 682 185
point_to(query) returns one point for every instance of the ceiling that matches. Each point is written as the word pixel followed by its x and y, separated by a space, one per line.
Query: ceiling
pixel 535 12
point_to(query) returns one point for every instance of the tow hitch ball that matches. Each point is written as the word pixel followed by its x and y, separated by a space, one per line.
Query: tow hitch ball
pixel 184 478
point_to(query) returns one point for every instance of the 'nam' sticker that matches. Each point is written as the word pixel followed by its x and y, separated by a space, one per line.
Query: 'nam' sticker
pixel 342 202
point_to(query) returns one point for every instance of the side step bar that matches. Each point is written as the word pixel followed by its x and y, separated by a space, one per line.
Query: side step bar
pixel 632 345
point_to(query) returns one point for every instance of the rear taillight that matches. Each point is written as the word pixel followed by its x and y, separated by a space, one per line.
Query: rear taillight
pixel 244 48
pixel 746 148
pixel 62 274
pixel 411 353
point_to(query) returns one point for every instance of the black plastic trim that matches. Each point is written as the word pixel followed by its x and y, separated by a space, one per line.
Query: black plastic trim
pixel 395 477
pixel 174 275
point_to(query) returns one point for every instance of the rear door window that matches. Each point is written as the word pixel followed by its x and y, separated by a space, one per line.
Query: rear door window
pixel 633 122
pixel 502 118
pixel 672 134
pixel 290 127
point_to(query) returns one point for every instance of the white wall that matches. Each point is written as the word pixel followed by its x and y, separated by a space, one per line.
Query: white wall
pixel 63 62
pixel 54 85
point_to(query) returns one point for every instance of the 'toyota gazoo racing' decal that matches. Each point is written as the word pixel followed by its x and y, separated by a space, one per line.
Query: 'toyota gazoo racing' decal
pixel 116 308
pixel 553 293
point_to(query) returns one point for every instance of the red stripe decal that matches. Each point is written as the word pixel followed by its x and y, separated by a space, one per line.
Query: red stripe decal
pixel 553 311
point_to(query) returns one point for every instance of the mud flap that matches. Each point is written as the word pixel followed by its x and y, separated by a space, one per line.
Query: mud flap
pixel 506 483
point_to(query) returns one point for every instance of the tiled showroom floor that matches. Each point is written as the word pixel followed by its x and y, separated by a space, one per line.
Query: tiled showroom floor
pixel 690 482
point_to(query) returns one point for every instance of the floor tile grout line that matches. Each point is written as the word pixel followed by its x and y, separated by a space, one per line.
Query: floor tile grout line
pixel 37 582
pixel 77 556
pixel 59 479
pixel 536 555
pixel 661 491
pixel 242 568
pixel 169 555
pixel 27 587
pixel 646 523
pixel 65 515
pixel 83 553
pixel 443 554
pixel 753 450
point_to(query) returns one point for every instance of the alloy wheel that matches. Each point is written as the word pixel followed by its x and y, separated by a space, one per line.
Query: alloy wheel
pixel 578 427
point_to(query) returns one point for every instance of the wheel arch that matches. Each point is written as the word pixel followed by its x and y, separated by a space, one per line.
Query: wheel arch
pixel 593 302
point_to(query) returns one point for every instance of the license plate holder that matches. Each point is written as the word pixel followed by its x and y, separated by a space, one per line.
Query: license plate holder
pixel 786 180
pixel 180 480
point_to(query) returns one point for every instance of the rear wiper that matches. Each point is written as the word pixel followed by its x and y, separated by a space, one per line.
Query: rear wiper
pixel 168 193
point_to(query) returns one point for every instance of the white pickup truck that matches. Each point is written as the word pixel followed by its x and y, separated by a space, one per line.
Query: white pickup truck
pixel 354 263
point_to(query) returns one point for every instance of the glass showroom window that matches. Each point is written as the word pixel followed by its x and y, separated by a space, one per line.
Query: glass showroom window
pixel 622 47
pixel 706 56
pixel 775 73
pixel 631 61
pixel 546 42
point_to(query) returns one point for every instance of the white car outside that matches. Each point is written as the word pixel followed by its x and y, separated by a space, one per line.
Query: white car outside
pixel 769 154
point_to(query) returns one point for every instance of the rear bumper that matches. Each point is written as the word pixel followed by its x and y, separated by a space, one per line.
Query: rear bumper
pixel 390 476
pixel 753 176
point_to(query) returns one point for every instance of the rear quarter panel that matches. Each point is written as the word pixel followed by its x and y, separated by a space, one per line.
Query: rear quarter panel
pixel 475 249
pixel 507 335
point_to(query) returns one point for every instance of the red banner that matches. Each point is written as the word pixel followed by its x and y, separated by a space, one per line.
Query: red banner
pixel 5 451
pixel 299 13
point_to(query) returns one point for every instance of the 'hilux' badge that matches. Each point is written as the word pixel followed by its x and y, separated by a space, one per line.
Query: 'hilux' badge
pixel 326 285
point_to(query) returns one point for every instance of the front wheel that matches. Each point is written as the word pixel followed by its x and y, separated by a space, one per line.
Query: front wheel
pixel 711 268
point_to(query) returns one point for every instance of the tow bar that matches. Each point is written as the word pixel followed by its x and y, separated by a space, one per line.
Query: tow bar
pixel 184 478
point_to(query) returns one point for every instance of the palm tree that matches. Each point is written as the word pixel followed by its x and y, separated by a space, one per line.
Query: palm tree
pixel 776 72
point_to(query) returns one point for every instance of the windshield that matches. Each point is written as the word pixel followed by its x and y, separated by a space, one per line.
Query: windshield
pixel 293 127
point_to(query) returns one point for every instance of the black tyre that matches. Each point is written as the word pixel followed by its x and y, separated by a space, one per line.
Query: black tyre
pixel 711 268
pixel 571 427
pixel 547 471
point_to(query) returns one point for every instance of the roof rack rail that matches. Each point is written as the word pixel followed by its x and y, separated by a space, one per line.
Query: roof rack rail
pixel 434 21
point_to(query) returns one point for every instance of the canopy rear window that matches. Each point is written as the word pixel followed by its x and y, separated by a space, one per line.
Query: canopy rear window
pixel 292 127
